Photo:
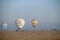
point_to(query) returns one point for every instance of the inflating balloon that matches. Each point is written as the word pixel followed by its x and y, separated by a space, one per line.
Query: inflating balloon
pixel 34 23
pixel 4 26
pixel 20 23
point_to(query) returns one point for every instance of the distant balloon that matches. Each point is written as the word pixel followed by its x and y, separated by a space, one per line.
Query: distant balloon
pixel 4 25
pixel 20 23
pixel 34 23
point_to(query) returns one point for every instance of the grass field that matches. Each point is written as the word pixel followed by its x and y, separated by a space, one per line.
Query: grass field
pixel 30 35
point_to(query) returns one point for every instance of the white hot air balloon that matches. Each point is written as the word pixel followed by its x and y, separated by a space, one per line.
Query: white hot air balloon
pixel 4 26
pixel 20 23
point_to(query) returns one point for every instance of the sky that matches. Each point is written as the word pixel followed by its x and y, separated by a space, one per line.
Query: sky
pixel 45 11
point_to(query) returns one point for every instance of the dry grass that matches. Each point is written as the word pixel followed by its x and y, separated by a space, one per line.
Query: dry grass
pixel 30 35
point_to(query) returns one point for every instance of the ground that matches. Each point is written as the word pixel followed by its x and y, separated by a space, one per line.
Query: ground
pixel 30 35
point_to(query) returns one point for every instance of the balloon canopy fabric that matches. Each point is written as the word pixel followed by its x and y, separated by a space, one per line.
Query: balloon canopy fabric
pixel 34 23
pixel 20 23
pixel 4 25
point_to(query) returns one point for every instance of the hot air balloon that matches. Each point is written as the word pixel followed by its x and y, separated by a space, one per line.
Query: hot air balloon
pixel 20 23
pixel 34 23
pixel 4 26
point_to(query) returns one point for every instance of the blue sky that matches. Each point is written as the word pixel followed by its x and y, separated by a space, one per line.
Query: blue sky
pixel 45 11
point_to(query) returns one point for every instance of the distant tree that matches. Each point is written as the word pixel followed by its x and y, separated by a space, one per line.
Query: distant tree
pixel 54 29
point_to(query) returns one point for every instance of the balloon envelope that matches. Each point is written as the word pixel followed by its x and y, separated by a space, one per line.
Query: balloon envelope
pixel 34 23
pixel 4 25
pixel 20 23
